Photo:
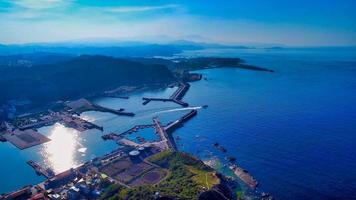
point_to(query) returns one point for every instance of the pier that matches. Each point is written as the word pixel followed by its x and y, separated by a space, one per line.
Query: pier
pixel 176 97
pixel 48 173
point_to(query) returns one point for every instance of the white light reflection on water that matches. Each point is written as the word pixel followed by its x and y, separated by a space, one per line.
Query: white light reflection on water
pixel 60 152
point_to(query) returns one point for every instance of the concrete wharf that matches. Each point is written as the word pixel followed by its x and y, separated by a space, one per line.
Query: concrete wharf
pixel 48 173
pixel 167 139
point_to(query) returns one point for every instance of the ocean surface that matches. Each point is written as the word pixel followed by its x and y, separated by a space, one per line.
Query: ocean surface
pixel 294 130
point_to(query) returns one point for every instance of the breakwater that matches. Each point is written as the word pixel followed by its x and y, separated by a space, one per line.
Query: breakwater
pixel 113 111
pixel 178 123
pixel 176 97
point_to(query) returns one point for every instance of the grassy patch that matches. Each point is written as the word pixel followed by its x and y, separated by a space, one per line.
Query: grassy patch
pixel 204 178
pixel 187 178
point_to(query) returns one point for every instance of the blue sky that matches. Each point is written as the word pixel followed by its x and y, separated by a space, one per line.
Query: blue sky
pixel 289 22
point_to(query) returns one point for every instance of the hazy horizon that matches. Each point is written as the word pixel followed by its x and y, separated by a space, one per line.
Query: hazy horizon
pixel 292 23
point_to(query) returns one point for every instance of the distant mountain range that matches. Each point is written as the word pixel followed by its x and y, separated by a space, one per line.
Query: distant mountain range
pixel 112 48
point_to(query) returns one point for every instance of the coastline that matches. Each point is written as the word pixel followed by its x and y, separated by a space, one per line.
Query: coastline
pixel 138 90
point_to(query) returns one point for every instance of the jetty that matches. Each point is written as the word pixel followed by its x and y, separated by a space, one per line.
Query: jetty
pixel 244 175
pixel 178 123
pixel 82 105
pixel 113 111
pixel 48 173
pixel 176 97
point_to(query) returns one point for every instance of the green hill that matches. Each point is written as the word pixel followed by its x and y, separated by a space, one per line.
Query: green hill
pixel 78 77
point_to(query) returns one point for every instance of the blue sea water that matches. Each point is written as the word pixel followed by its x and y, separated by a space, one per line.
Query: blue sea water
pixel 293 129
pixel 69 148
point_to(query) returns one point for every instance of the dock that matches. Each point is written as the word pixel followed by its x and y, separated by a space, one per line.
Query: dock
pixel 48 173
pixel 176 97
pixel 244 175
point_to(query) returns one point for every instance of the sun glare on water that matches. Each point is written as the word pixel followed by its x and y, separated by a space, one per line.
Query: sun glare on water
pixel 60 152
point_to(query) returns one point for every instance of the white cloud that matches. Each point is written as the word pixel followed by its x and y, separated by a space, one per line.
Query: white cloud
pixel 126 9
pixel 39 4
pixel 90 22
